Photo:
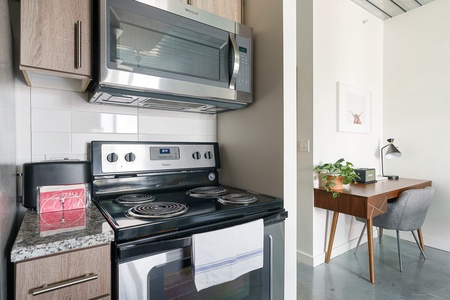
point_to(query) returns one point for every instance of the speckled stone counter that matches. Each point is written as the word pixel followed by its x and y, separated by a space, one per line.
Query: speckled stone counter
pixel 32 241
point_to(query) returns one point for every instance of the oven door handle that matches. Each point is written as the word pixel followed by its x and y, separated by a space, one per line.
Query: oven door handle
pixel 133 250
pixel 171 242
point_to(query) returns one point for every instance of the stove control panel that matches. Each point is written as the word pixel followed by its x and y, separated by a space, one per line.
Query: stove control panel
pixel 164 153
pixel 122 157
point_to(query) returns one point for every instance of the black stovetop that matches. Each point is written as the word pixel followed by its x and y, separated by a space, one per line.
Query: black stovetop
pixel 201 211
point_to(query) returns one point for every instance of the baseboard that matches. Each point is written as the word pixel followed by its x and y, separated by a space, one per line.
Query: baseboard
pixel 319 259
pixel 429 241
pixel 306 259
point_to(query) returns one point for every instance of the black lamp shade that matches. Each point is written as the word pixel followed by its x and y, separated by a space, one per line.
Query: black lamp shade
pixel 391 152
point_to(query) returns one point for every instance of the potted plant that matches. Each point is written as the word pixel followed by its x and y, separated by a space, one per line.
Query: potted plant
pixel 335 175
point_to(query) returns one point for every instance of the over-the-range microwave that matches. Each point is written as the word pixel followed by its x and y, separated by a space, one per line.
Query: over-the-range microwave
pixel 163 54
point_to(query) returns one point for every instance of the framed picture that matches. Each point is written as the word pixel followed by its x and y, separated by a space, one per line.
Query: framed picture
pixel 354 113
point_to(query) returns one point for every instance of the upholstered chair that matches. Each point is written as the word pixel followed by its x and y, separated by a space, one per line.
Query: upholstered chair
pixel 405 213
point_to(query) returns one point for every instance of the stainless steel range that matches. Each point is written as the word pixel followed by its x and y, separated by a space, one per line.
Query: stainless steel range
pixel 155 196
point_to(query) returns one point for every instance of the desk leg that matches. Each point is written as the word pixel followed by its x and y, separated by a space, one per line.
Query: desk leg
pixel 332 233
pixel 370 246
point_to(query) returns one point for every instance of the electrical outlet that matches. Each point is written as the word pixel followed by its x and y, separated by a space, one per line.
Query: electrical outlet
pixel 303 146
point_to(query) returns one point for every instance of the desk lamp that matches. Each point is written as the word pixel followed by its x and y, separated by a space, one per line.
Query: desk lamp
pixel 392 152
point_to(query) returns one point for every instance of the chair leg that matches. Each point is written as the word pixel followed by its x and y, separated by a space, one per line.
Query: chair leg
pixel 419 233
pixel 399 253
pixel 380 234
pixel 418 244
pixel 360 237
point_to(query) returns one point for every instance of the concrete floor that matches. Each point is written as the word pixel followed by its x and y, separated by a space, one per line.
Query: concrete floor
pixel 347 276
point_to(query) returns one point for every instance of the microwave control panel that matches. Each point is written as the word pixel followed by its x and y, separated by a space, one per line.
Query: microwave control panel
pixel 243 81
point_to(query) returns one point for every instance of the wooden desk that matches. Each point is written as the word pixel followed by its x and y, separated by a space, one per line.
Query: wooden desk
pixel 365 201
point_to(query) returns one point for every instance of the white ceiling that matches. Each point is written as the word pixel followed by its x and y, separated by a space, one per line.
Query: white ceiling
pixel 386 9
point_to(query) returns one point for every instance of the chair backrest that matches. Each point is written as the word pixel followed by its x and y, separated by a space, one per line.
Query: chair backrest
pixel 408 211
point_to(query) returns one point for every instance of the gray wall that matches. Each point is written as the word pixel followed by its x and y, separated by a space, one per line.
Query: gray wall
pixel 8 204
pixel 253 137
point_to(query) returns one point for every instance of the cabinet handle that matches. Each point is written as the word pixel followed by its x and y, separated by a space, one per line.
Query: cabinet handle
pixel 78 45
pixel 59 285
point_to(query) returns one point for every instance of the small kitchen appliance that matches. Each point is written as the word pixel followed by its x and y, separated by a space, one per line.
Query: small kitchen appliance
pixel 49 173
pixel 155 196
pixel 164 54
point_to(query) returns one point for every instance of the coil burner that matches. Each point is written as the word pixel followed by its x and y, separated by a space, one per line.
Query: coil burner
pixel 207 192
pixel 237 199
pixel 157 210
pixel 134 199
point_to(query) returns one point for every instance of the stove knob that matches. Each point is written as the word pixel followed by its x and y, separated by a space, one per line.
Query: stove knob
pixel 130 157
pixel 208 155
pixel 112 157
pixel 196 155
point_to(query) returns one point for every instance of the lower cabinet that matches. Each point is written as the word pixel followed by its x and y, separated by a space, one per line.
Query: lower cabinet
pixel 78 274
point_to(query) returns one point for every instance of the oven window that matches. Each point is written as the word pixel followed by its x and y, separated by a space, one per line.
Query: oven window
pixel 168 274
pixel 176 281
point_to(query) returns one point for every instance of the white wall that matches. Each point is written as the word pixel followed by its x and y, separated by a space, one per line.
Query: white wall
pixel 348 48
pixel 417 105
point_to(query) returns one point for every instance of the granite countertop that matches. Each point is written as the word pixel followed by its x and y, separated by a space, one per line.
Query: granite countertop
pixel 50 233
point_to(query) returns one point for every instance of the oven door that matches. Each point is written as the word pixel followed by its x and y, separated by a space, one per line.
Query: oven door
pixel 168 274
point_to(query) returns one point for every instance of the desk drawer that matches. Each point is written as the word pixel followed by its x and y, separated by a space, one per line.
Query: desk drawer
pixel 80 274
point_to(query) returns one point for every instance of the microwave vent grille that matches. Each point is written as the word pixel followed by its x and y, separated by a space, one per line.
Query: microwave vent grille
pixel 154 103
pixel 184 105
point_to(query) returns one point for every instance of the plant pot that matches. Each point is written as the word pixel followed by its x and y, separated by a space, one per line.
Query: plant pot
pixel 338 180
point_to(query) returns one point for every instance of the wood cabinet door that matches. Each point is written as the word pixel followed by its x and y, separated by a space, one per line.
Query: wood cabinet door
pixel 66 272
pixel 230 9
pixel 49 35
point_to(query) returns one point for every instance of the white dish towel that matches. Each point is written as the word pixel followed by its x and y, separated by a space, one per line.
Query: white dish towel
pixel 224 255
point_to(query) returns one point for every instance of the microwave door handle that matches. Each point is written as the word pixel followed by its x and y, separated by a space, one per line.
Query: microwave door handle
pixel 236 61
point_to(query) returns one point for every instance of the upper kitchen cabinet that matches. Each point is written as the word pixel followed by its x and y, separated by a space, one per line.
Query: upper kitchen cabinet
pixel 230 9
pixel 55 43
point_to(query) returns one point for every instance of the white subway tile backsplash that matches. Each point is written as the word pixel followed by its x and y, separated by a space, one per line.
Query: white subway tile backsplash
pixel 23 123
pixel 177 138
pixel 81 141
pixel 164 137
pixel 50 142
pixel 50 120
pixel 58 124
pixel 37 158
pixel 49 98
pixel 95 122
pixel 65 156
pixel 203 125
pixel 160 125
pixel 202 138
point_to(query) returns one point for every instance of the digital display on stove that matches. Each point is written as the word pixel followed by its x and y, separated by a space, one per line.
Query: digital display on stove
pixel 164 153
